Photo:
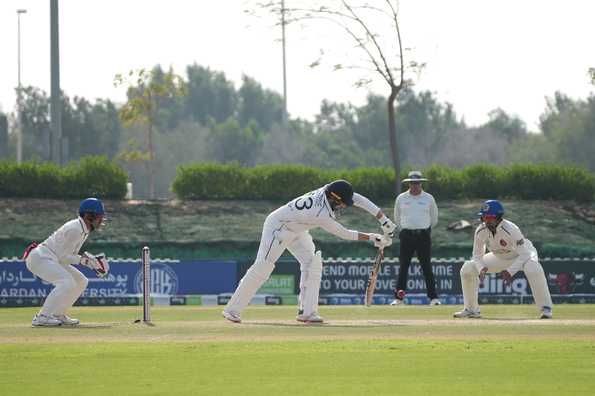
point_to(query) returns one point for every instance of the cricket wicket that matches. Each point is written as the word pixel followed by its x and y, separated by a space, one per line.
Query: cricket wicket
pixel 146 262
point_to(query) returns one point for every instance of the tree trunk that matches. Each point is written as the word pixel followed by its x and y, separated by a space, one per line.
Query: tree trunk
pixel 392 134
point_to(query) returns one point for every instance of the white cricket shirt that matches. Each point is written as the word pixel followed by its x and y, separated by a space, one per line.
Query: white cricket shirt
pixel 415 212
pixel 64 244
pixel 313 210
pixel 508 243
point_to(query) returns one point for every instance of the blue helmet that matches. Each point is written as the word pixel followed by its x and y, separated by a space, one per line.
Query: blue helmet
pixel 91 205
pixel 491 207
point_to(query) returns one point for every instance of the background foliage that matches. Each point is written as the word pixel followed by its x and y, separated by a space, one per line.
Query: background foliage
pixel 217 122
pixel 284 182
pixel 91 177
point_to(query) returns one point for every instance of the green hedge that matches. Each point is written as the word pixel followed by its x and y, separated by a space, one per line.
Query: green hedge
pixel 283 182
pixel 91 177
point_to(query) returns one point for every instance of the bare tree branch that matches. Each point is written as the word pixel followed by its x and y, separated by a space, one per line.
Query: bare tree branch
pixel 388 77
pixel 355 21
pixel 398 30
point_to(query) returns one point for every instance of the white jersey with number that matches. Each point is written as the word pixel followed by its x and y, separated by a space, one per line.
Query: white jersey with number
pixel 64 244
pixel 507 243
pixel 313 210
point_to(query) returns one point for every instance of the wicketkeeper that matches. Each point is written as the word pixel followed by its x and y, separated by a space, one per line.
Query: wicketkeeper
pixel 52 261
pixel 288 228
pixel 509 252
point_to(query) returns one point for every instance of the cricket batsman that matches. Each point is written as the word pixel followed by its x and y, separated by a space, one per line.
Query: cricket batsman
pixel 288 228
pixel 52 261
pixel 509 252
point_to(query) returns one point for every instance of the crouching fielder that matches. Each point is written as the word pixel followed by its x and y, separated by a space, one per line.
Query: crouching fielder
pixel 287 228
pixel 509 252
pixel 51 261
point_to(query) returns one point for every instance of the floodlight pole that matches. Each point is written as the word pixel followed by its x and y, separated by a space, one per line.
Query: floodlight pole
pixel 285 115
pixel 55 102
pixel 19 94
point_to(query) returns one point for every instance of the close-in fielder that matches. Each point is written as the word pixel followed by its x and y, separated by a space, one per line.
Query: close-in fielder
pixel 52 261
pixel 509 252
pixel 287 228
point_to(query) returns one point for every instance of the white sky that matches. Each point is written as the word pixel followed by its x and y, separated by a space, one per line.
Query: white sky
pixel 480 54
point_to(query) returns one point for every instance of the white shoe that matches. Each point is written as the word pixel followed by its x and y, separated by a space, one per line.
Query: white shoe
pixel 312 318
pixel 66 321
pixel 396 301
pixel 466 313
pixel 435 301
pixel 43 320
pixel 546 313
pixel 232 316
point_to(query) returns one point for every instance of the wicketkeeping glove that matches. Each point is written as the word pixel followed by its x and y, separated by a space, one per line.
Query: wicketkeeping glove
pixel 506 277
pixel 102 265
pixel 88 260
pixel 98 263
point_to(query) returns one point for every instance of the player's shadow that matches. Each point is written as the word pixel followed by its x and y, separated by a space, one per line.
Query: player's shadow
pixel 84 326
pixel 511 319
pixel 321 325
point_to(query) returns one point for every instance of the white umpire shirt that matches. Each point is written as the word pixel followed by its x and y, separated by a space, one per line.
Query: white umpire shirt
pixel 415 212
pixel 64 244
pixel 508 243
pixel 313 210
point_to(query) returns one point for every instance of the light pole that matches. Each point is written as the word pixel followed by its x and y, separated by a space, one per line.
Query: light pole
pixel 56 141
pixel 19 96
pixel 285 115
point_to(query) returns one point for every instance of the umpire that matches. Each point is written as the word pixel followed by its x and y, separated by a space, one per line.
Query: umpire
pixel 415 215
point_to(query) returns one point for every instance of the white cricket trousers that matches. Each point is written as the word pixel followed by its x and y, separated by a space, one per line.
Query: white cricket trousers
pixel 70 282
pixel 276 237
pixel 532 269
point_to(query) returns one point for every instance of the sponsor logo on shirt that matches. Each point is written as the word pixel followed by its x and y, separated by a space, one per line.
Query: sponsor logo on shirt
pixel 520 242
pixel 502 242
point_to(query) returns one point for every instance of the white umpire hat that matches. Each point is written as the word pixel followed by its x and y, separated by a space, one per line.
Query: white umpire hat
pixel 415 176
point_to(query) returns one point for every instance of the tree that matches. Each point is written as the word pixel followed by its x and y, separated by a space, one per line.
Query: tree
pixel 3 136
pixel 569 125
pixel 145 93
pixel 258 104
pixel 375 31
pixel 35 123
pixel 229 142
pixel 90 128
pixel 210 95
pixel 511 127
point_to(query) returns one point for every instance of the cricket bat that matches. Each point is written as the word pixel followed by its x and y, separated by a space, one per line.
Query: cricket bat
pixel 373 276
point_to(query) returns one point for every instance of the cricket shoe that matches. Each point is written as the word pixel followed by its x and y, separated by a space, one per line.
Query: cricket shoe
pixel 66 321
pixel 44 320
pixel 232 316
pixel 435 301
pixel 312 318
pixel 396 301
pixel 467 313
pixel 546 313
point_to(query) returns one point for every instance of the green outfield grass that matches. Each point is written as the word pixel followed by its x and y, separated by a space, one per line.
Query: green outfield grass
pixel 359 351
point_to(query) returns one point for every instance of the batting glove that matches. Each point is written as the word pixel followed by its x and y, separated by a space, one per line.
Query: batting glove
pixel 388 227
pixel 381 241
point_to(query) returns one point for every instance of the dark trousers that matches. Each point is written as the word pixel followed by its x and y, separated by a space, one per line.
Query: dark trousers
pixel 419 241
